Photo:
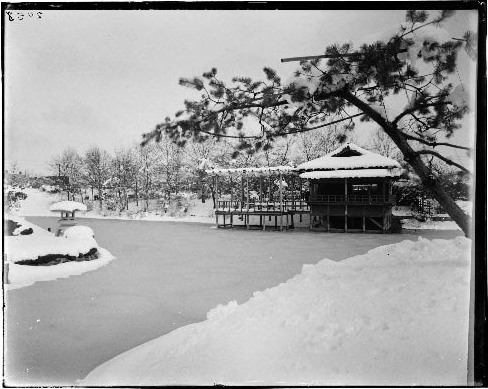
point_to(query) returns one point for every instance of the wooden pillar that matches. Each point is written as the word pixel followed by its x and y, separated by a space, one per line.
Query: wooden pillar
pixel 247 193
pixel 269 194
pixel 301 194
pixel 260 191
pixel 364 218
pixel 231 194
pixel 328 217
pixel 247 201
pixel 216 199
pixel 383 221
pixel 281 202
pixel 292 179
pixel 242 191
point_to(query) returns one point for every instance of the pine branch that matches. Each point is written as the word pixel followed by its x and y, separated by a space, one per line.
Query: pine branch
pixel 325 124
pixel 446 160
pixel 416 108
pixel 433 144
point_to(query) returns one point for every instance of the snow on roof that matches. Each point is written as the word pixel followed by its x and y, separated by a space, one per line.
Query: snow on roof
pixel 352 173
pixel 68 206
pixel 349 156
pixel 252 170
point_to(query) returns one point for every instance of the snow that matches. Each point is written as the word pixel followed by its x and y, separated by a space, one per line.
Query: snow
pixel 79 232
pixel 68 206
pixel 30 247
pixel 251 170
pixel 413 224
pixel 397 315
pixel 37 203
pixel 23 275
pixel 367 159
pixel 42 242
pixel 355 173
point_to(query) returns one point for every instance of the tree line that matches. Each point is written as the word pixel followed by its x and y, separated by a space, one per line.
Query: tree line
pixel 165 169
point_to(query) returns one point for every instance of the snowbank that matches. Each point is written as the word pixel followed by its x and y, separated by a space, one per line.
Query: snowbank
pixel 23 275
pixel 412 224
pixel 41 243
pixel 397 315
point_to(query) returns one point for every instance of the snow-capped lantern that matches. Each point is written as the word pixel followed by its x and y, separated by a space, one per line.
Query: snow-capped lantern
pixel 67 209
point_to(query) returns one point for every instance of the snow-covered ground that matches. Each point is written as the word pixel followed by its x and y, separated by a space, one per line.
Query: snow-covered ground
pixel 20 276
pixel 413 224
pixel 397 315
pixel 41 243
pixel 37 203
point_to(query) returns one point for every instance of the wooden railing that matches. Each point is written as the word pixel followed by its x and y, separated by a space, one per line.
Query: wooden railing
pixel 352 199
pixel 256 206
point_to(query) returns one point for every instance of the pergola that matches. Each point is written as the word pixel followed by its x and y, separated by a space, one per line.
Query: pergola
pixel 261 202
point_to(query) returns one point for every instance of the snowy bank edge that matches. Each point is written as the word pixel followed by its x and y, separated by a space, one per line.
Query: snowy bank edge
pixel 55 272
pixel 107 373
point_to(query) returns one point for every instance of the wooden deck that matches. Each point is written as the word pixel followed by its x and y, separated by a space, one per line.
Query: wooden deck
pixel 283 213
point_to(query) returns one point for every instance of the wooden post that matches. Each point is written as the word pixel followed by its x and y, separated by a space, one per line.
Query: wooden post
pixel 231 193
pixel 242 191
pixel 328 217
pixel 383 221
pixel 247 202
pixel 269 194
pixel 281 202
pixel 216 200
pixel 301 194
pixel 364 218
pixel 260 192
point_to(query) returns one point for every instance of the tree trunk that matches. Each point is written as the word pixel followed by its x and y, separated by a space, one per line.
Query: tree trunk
pixel 414 160
pixel 100 197
pixel 202 180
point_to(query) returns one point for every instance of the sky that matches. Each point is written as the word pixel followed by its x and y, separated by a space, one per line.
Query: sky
pixel 83 78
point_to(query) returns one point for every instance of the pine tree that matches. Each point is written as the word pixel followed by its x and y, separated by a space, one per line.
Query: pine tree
pixel 346 85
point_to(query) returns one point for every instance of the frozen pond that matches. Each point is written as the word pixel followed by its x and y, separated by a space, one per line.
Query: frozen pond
pixel 165 275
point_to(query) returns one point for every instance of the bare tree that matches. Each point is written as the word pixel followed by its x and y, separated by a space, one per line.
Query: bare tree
pixel 97 165
pixel 69 166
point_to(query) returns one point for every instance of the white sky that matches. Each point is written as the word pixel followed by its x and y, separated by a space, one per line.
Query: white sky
pixel 78 78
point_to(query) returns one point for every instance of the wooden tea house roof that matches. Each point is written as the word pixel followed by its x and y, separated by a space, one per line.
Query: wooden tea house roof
pixel 350 161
